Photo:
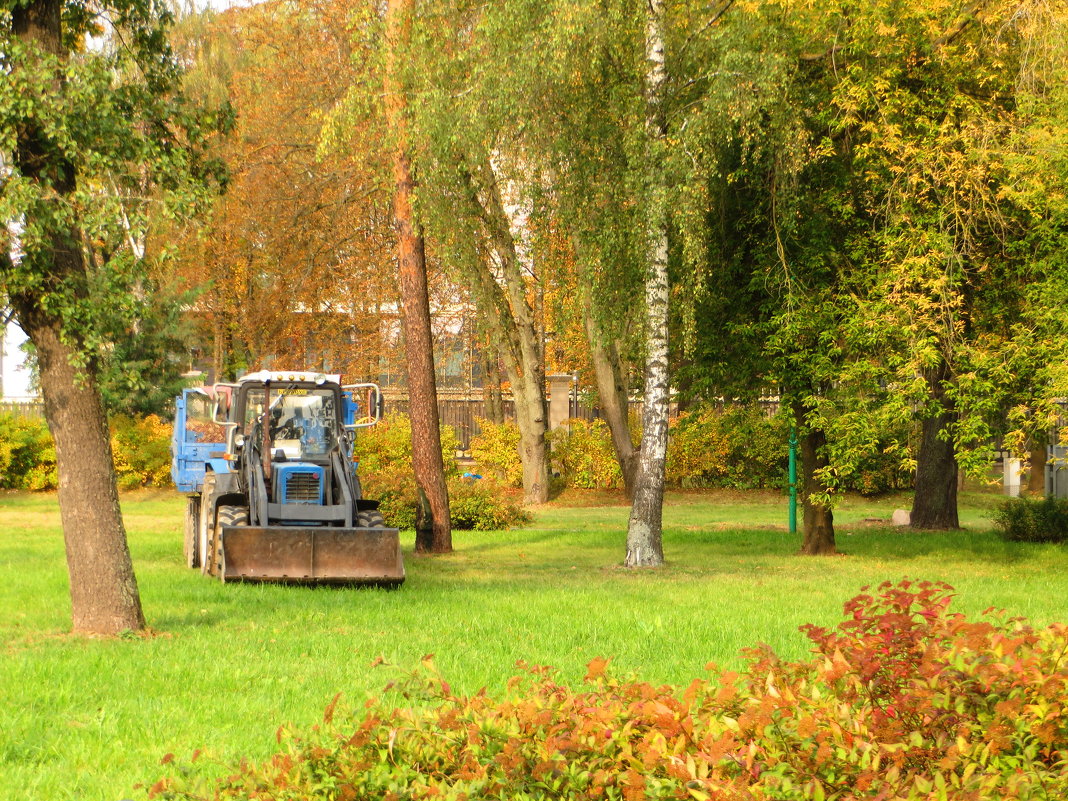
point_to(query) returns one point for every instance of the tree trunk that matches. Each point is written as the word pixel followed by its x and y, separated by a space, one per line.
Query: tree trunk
pixel 103 590
pixel 531 417
pixel 510 321
pixel 644 533
pixel 818 532
pixel 492 398
pixel 1036 481
pixel 934 505
pixel 611 393
pixel 433 535
pixel 611 382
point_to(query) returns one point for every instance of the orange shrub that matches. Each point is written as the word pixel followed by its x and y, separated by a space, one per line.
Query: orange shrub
pixel 903 700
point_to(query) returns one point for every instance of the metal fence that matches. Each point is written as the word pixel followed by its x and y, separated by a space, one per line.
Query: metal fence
pixel 31 409
pixel 461 414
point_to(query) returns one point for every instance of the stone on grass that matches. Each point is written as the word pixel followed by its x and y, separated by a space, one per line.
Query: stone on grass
pixel 902 517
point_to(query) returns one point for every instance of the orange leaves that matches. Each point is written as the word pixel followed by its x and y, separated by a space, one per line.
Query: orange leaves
pixel 918 708
pixel 596 668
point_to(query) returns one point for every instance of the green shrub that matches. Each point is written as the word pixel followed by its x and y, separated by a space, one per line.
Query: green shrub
pixel 397 496
pixel 496 450
pixel 387 448
pixel 584 456
pixel 480 505
pixel 903 700
pixel 384 453
pixel 27 454
pixel 736 447
pixel 879 473
pixel 384 457
pixel 1031 520
pixel 141 449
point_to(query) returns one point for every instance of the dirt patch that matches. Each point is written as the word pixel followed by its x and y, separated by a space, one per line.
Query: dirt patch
pixel 586 498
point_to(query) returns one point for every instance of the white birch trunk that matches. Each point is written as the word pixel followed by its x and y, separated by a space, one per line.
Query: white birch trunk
pixel 644 534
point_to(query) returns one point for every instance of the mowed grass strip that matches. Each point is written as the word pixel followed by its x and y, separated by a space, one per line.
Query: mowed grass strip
pixel 227 664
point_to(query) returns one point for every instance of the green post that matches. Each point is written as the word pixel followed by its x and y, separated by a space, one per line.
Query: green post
pixel 793 480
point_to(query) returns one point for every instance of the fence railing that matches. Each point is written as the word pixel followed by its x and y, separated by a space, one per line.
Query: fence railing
pixel 32 409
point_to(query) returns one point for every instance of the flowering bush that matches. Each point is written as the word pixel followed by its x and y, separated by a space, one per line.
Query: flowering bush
pixel 903 700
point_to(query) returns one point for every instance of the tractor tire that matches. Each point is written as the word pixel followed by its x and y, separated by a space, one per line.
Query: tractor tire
pixel 192 531
pixel 370 518
pixel 206 527
pixel 224 516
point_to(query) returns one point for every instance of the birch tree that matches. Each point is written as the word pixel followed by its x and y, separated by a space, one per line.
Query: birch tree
pixel 644 532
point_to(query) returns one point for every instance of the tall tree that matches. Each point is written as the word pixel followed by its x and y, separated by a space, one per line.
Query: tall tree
pixel 294 263
pixel 644 539
pixel 76 123
pixel 433 527
pixel 469 203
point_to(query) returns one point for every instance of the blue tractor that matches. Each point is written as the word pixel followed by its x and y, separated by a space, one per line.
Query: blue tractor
pixel 266 465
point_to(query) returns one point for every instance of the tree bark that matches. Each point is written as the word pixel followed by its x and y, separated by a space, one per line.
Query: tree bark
pixel 644 533
pixel 492 398
pixel 510 320
pixel 934 504
pixel 611 393
pixel 103 590
pixel 608 374
pixel 433 535
pixel 818 528
pixel 1036 481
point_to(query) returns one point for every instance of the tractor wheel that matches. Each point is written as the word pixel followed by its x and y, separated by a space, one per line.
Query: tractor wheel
pixel 370 518
pixel 224 516
pixel 192 529
pixel 206 527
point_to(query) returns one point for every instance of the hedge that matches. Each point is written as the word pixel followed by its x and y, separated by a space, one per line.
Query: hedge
pixel 731 447
pixel 903 700
pixel 140 446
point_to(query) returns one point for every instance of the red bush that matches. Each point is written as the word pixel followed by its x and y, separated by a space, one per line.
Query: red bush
pixel 903 700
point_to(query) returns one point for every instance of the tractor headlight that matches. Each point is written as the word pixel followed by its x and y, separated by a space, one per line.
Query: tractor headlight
pixel 239 441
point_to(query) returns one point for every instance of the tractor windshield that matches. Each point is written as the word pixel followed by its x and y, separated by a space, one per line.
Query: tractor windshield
pixel 303 421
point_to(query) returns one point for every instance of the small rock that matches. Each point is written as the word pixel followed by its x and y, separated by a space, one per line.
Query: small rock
pixel 902 517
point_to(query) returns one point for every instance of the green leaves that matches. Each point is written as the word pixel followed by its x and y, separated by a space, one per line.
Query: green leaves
pixel 101 141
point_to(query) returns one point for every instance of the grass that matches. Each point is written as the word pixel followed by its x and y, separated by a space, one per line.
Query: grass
pixel 88 719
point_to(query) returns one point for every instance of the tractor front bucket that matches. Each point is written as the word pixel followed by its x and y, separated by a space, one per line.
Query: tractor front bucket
pixel 312 555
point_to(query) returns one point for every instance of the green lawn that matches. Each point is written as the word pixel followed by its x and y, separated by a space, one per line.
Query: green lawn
pixel 88 719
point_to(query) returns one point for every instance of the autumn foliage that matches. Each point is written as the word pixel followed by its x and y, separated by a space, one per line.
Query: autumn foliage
pixel 903 700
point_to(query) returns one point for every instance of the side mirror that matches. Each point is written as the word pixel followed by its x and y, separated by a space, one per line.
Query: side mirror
pixel 369 404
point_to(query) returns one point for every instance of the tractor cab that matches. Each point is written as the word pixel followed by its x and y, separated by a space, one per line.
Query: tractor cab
pixel 292 448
